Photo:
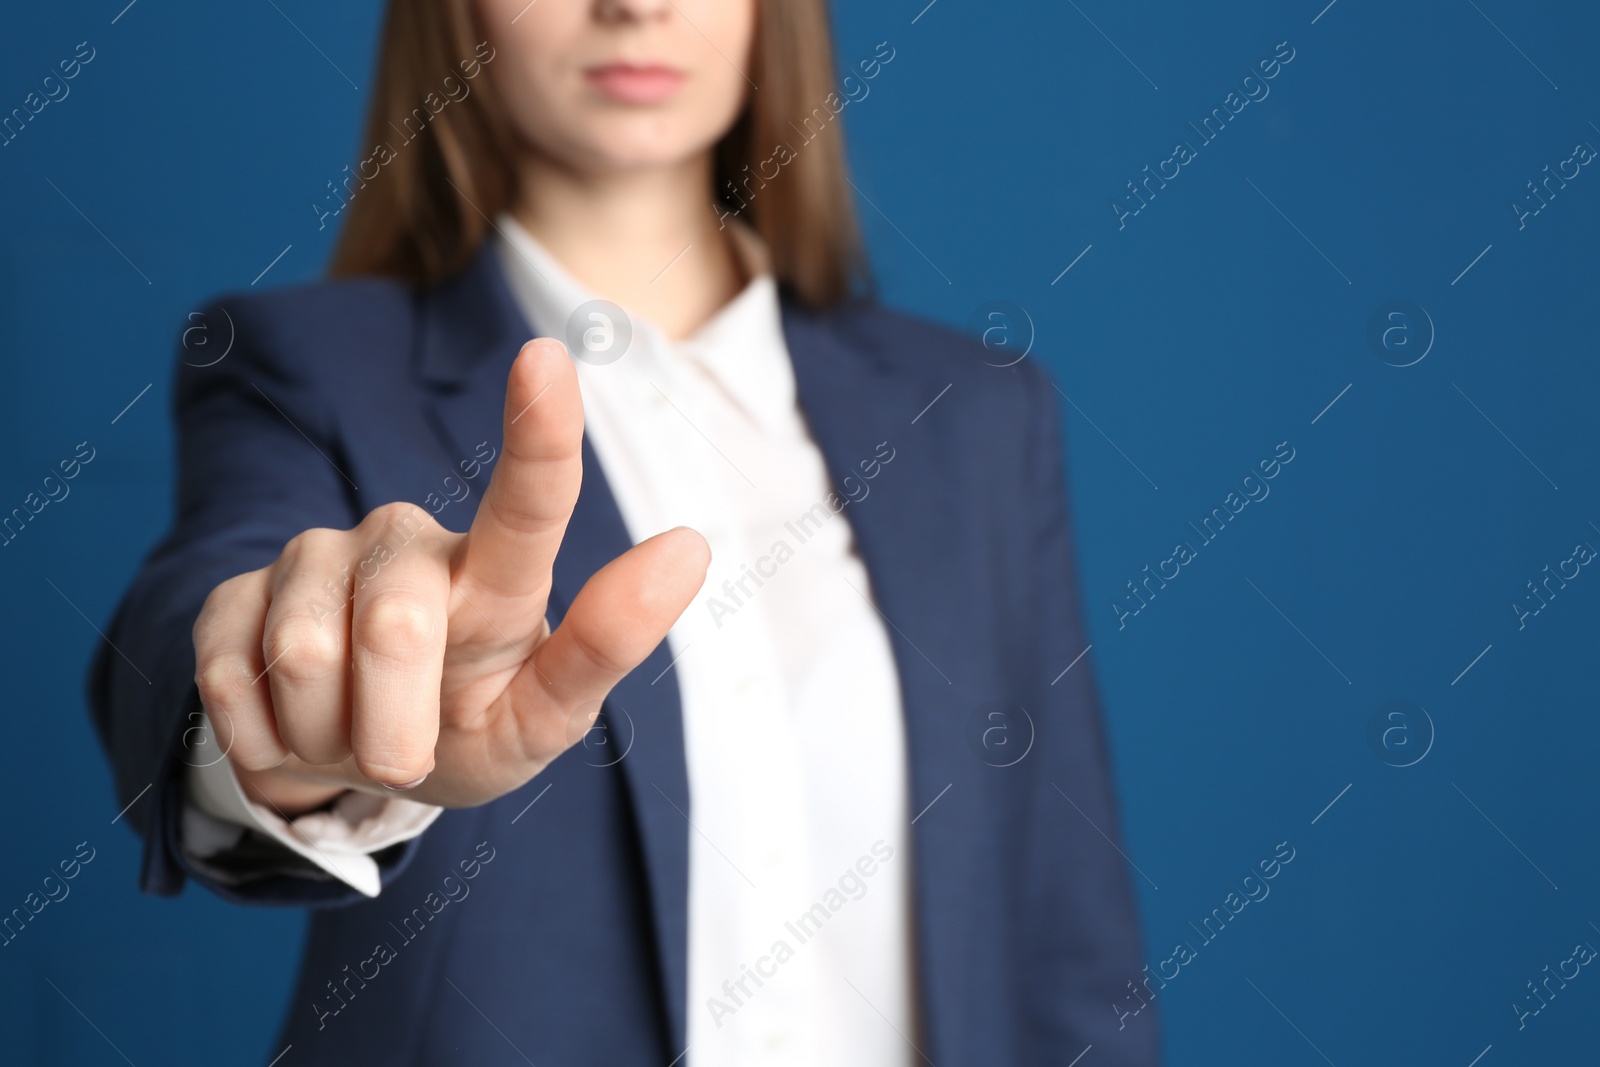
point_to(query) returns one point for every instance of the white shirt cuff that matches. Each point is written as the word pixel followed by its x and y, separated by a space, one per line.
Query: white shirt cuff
pixel 339 841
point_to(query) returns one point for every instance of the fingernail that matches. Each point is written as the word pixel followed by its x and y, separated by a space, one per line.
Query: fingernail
pixel 408 785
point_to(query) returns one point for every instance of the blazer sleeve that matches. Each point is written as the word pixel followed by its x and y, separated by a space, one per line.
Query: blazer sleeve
pixel 1079 940
pixel 258 461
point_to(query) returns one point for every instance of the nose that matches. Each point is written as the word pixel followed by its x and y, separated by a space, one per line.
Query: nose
pixel 631 10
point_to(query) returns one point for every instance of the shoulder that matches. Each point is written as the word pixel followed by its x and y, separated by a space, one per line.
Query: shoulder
pixel 1002 383
pixel 304 331
pixel 328 304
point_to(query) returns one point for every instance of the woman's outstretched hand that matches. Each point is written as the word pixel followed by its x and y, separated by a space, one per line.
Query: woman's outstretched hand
pixel 399 653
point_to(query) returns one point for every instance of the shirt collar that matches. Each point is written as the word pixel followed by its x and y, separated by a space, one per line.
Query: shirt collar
pixel 741 348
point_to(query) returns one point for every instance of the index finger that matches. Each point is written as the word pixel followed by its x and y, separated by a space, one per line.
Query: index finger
pixel 510 549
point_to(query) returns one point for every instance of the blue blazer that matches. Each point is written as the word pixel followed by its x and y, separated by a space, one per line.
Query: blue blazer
pixel 557 933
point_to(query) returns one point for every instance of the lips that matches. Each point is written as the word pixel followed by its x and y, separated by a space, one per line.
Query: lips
pixel 631 83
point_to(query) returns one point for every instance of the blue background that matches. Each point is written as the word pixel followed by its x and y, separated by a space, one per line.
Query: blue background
pixel 1190 342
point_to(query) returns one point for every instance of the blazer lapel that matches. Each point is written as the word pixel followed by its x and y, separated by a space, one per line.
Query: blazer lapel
pixel 470 332
pixel 907 530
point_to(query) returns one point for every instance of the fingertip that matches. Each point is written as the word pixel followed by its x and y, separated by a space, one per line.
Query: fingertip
pixel 395 761
pixel 398 778
pixel 541 362
pixel 542 348
pixel 542 390
pixel 698 548
pixel 671 567
pixel 257 759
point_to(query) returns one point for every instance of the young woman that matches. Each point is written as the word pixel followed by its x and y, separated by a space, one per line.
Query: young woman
pixel 689 692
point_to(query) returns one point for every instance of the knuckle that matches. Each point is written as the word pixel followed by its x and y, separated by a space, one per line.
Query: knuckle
pixel 306 544
pixel 220 603
pixel 223 682
pixel 395 623
pixel 314 537
pixel 606 660
pixel 402 516
pixel 302 651
pixel 227 588
pixel 522 520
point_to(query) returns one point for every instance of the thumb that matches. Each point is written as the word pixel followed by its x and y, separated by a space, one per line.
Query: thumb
pixel 617 619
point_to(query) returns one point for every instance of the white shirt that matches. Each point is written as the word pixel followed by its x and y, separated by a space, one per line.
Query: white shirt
pixel 799 854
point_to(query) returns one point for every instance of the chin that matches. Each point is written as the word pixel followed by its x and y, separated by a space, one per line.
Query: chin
pixel 642 142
